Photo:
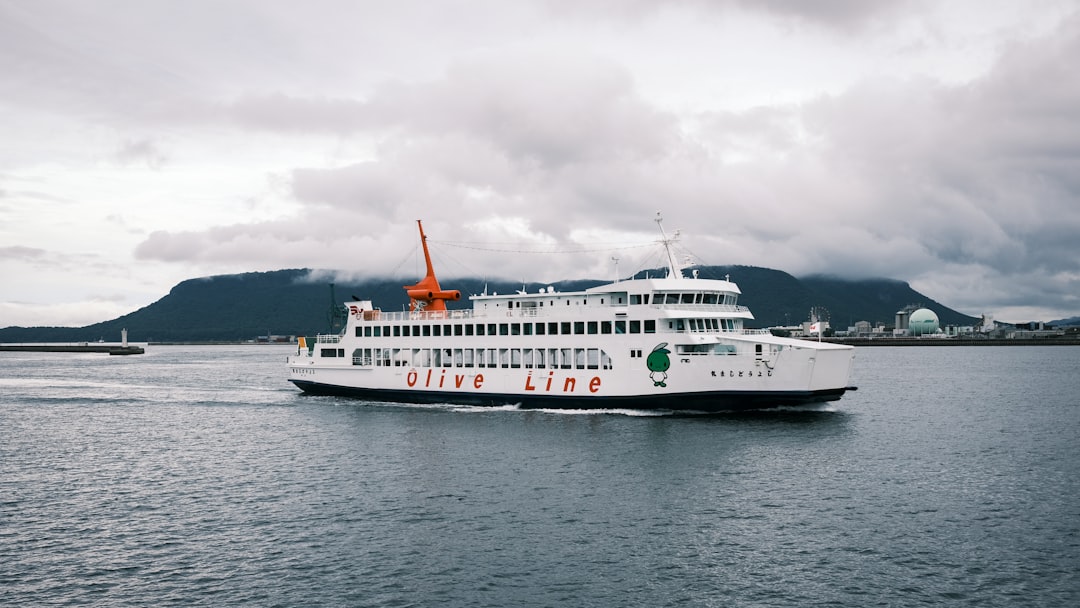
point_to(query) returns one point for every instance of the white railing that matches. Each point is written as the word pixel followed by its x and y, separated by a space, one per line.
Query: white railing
pixel 378 316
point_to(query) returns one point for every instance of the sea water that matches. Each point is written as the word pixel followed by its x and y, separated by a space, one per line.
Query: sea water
pixel 196 475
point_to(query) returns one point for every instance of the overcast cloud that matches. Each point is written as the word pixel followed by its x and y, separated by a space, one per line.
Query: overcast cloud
pixel 145 143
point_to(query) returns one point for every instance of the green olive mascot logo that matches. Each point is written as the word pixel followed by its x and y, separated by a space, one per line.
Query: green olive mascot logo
pixel 658 364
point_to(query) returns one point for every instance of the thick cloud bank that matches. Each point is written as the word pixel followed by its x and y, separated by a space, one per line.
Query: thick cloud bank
pixel 849 138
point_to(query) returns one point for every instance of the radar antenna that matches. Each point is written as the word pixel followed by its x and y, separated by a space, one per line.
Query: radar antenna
pixel 674 269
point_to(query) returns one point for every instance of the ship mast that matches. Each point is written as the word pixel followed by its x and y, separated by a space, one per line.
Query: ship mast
pixel 674 269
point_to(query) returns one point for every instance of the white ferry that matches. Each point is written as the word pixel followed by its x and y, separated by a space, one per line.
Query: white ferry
pixel 672 343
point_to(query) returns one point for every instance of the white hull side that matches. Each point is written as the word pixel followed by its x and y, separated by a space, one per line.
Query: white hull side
pixel 792 375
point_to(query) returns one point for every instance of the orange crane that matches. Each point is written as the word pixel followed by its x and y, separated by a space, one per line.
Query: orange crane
pixel 427 294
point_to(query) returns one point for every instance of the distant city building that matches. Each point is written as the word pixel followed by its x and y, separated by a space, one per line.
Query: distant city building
pixel 959 330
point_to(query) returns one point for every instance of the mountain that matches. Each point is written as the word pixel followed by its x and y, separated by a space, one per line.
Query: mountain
pixel 777 298
pixel 239 307
pixel 1070 322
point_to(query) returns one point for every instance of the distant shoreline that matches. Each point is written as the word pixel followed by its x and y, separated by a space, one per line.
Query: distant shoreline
pixel 954 341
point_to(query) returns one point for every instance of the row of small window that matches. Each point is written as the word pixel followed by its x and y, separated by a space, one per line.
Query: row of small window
pixel 528 358
pixel 728 299
pixel 702 325
pixel 508 329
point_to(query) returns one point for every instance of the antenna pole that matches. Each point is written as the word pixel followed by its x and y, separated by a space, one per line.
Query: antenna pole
pixel 674 270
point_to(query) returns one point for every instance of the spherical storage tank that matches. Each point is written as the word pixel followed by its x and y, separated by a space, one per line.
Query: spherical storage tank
pixel 923 322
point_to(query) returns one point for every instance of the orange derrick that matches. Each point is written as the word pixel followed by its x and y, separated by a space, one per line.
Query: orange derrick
pixel 427 294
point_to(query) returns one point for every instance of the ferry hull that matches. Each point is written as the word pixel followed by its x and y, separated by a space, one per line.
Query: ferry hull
pixel 714 401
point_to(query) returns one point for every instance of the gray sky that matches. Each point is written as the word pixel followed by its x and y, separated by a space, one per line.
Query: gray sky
pixel 144 143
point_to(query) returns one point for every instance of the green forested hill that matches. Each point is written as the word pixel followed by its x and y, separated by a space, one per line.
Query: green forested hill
pixel 285 302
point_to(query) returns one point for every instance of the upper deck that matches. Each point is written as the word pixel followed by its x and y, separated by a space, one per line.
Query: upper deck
pixel 651 298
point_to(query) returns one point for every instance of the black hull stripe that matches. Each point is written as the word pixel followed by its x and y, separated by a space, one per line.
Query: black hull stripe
pixel 716 401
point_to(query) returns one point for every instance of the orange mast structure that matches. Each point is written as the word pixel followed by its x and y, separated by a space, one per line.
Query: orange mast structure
pixel 427 294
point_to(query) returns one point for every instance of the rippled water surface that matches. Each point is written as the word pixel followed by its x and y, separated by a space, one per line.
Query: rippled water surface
pixel 198 476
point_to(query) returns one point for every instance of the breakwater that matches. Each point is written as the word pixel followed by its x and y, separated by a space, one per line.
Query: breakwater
pixel 112 349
